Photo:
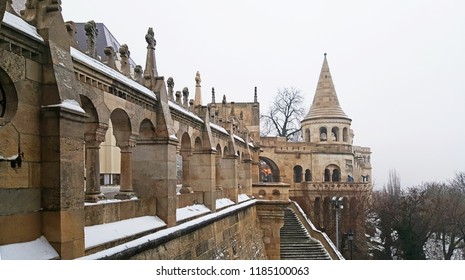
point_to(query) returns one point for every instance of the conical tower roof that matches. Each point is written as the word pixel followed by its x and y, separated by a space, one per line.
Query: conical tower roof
pixel 325 103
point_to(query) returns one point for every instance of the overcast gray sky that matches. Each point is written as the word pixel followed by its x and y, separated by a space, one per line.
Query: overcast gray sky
pixel 398 66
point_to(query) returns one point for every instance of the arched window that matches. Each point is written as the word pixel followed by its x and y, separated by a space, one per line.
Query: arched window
pixel 323 134
pixel 345 134
pixel 297 173
pixel 327 175
pixel 307 135
pixel 335 134
pixel 308 175
pixel 336 175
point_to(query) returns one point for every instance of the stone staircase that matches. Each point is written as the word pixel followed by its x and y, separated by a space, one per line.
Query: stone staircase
pixel 296 243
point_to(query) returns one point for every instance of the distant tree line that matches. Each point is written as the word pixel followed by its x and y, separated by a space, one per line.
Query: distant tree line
pixel 422 222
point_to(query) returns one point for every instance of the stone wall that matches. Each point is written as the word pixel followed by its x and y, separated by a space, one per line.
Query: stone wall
pixel 234 236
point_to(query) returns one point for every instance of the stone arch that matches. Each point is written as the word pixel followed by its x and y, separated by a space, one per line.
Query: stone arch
pixel 327 175
pixel 198 144
pixel 323 134
pixel 225 151
pixel 146 130
pixel 308 175
pixel 335 134
pixel 8 98
pixel 122 128
pixel 274 176
pixel 297 173
pixel 345 134
pixel 332 173
pixel 276 192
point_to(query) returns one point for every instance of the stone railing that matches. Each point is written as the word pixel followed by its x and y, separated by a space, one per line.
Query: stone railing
pixel 271 191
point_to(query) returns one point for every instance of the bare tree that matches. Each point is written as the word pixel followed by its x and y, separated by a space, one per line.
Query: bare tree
pixel 284 115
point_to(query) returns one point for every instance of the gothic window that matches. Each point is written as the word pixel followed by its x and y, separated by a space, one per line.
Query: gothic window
pixel 323 134
pixel 297 173
pixel 2 102
pixel 308 175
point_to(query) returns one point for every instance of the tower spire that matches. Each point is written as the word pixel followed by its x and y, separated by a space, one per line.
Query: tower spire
pixel 325 102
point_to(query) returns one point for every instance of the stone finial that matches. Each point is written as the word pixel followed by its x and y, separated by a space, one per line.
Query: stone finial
pixel 178 97
pixel 138 74
pixel 72 31
pixel 213 95
pixel 198 80
pixel 125 54
pixel 185 94
pixel 170 83
pixel 232 108
pixel 150 39
pixel 224 99
pixel 198 91
pixel 241 116
pixel 38 10
pixel 91 32
pixel 255 97
pixel 150 64
pixel 110 57
pixel 191 104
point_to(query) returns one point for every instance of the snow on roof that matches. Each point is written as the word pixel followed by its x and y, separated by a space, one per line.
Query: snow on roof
pixel 22 26
pixel 243 197
pixel 191 211
pixel 69 104
pixel 38 249
pixel 223 202
pixel 99 66
pixel 101 234
pixel 183 110
pixel 165 232
pixel 219 128
pixel 239 139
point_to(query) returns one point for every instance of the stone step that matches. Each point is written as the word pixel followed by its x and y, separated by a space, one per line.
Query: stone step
pixel 296 243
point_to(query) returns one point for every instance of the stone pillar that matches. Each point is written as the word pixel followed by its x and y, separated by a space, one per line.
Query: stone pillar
pixel 271 218
pixel 62 180
pixel 93 141
pixel 202 177
pixel 255 168
pixel 228 177
pixel 126 189
pixel 154 174
pixel 93 193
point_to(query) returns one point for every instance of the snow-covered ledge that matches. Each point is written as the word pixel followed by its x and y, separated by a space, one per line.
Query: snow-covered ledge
pixel 38 249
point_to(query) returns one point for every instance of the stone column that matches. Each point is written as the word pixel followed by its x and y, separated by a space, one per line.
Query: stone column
pixel 246 178
pixel 93 141
pixel 126 189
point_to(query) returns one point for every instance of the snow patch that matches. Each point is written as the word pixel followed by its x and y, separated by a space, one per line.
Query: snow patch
pixel 69 104
pixel 219 128
pixel 184 111
pixel 223 202
pixel 243 197
pixel 38 249
pixel 191 211
pixel 101 234
pixel 22 26
pixel 99 66
pixel 164 232
pixel 9 158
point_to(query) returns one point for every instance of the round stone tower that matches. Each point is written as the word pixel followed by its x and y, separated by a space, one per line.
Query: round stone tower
pixel 326 122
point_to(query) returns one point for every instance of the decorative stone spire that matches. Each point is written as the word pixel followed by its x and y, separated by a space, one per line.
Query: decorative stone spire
pixel 170 83
pixel 125 54
pixel 213 95
pixel 255 97
pixel 150 65
pixel 110 57
pixel 91 32
pixel 185 95
pixel 325 102
pixel 198 90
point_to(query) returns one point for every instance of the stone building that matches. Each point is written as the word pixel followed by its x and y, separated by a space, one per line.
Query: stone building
pixel 325 164
pixel 64 109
